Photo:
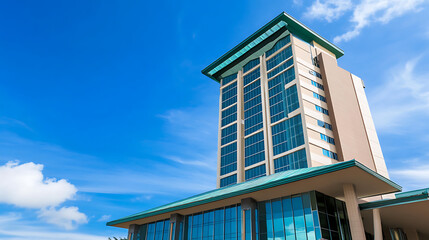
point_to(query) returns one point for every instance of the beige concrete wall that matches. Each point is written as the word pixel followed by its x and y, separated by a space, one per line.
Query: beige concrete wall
pixel 349 129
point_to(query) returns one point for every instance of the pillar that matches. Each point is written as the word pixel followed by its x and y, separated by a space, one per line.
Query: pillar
pixel 248 204
pixel 353 211
pixel 132 231
pixel 378 230
pixel 175 220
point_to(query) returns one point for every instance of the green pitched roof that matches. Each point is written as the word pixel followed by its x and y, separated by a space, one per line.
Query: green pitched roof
pixel 282 20
pixel 261 183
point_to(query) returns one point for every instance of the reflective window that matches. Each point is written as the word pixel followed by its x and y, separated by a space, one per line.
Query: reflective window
pixel 280 68
pixel 252 108
pixel 229 95
pixel 282 101
pixel 254 149
pixel 322 110
pixel 228 134
pixel 229 115
pixel 280 43
pixel 229 79
pixel 228 180
pixel 166 232
pixel 197 226
pixel 280 57
pixel 291 161
pixel 228 158
pixel 287 135
pixel 330 154
pixel 320 97
pixel 324 124
pixel 327 139
pixel 316 84
pixel 219 224
pixel 255 172
pixel 151 231
pixel 208 225
pixel 251 64
pixel 255 74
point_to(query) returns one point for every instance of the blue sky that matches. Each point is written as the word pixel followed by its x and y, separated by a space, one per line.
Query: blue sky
pixel 104 111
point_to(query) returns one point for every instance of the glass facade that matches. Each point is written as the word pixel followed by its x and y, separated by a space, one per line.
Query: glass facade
pixel 279 44
pixel 318 85
pixel 228 158
pixel 291 161
pixel 251 64
pixel 229 115
pixel 252 107
pixel 322 110
pixel 320 97
pixel 305 216
pixel 254 150
pixel 282 101
pixel 229 95
pixel 287 135
pixel 255 172
pixel 228 180
pixel 229 134
pixel 229 79
pixel 327 139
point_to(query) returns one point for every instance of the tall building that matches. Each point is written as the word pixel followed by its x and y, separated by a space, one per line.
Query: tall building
pixel 299 156
pixel 285 104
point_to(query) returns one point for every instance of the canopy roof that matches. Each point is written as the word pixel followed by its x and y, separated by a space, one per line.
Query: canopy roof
pixel 327 179
pixel 282 20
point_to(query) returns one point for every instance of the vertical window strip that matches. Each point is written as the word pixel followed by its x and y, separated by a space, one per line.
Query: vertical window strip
pixel 251 64
pixel 280 43
pixel 255 74
pixel 314 73
pixel 282 101
pixel 229 115
pixel 295 160
pixel 254 150
pixel 228 159
pixel 229 79
pixel 230 180
pixel 229 95
pixel 252 108
pixel 280 57
pixel 229 134
pixel 255 172
pixel 280 68
pixel 287 135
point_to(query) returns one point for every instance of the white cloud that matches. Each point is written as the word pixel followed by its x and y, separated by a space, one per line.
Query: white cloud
pixel 328 9
pixel 402 100
pixel 24 186
pixel 369 11
pixel 66 217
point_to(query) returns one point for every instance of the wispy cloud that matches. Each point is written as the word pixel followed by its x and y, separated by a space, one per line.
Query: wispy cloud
pixel 329 9
pixel 13 226
pixel 402 99
pixel 364 12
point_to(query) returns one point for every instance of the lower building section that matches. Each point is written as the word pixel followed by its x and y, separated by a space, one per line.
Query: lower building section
pixel 310 216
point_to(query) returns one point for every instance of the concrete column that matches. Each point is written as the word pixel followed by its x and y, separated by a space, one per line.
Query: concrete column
pixel 248 204
pixel 353 211
pixel 175 218
pixel 132 231
pixel 378 230
pixel 240 128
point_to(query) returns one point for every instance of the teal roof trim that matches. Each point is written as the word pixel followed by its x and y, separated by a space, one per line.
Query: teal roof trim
pixel 258 184
pixel 412 193
pixel 404 198
pixel 293 25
